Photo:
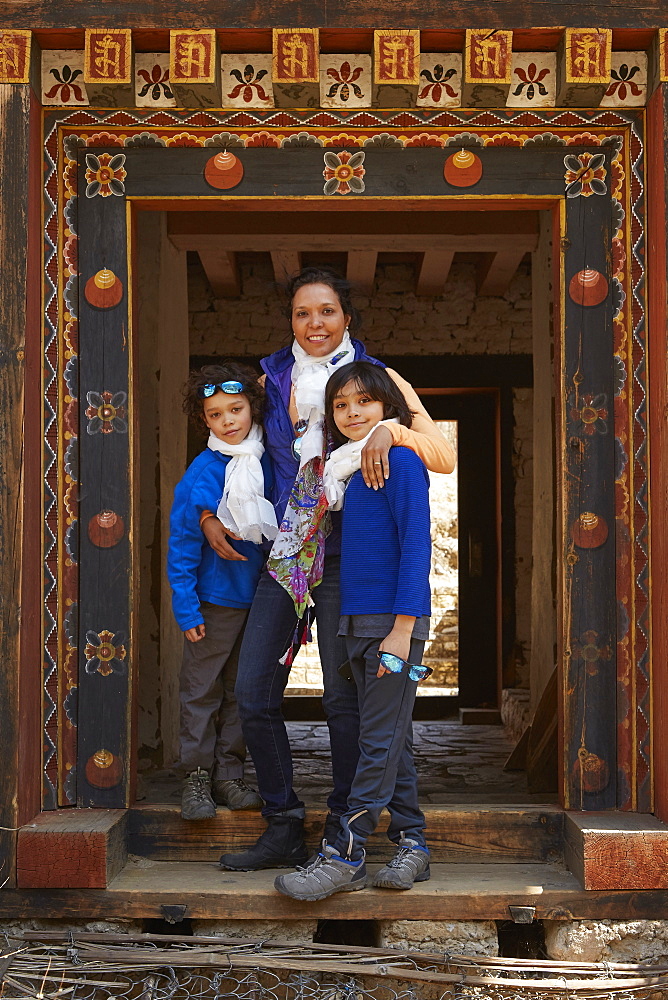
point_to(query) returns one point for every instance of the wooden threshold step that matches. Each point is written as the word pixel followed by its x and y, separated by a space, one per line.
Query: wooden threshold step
pixel 474 833
pixel 455 892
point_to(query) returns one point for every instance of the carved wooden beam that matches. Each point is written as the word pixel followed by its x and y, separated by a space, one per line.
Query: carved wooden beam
pixel 194 68
pixel 433 273
pixel 496 271
pixel 361 269
pixel 109 67
pixel 296 67
pixel 288 245
pixel 487 67
pixel 657 70
pixel 15 56
pixel 222 272
pixel 583 66
pixel 396 68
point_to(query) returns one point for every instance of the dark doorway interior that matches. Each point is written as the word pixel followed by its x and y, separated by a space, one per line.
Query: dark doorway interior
pixel 476 414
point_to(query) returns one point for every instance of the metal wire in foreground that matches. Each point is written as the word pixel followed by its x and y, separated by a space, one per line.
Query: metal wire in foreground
pixel 51 965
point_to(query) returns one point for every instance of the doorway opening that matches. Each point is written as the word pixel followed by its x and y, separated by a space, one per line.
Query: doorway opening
pixel 463 334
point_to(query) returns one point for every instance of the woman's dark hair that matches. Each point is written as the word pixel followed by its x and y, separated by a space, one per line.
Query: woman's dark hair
pixel 228 371
pixel 325 276
pixel 376 383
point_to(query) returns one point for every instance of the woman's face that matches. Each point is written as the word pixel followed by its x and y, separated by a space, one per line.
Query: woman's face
pixel 318 321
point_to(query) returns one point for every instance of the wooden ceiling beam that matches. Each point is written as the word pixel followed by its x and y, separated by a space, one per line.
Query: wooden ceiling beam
pixel 222 272
pixel 285 262
pixel 234 222
pixel 496 271
pixel 288 245
pixel 433 271
pixel 361 269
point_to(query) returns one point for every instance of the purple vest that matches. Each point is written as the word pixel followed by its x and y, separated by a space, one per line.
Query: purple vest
pixel 278 429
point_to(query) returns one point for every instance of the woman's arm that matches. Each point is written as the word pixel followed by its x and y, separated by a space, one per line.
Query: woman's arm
pixel 423 437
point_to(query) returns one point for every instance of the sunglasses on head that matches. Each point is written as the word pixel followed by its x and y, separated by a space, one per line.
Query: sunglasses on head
pixel 395 665
pixel 205 391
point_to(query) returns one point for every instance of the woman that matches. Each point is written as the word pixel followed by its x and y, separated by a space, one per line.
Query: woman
pixel 322 318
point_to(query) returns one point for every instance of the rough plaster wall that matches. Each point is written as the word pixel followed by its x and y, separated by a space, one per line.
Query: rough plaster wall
pixel 459 937
pixel 396 321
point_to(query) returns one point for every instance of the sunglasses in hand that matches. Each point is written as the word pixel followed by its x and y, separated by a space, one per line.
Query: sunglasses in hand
pixel 416 672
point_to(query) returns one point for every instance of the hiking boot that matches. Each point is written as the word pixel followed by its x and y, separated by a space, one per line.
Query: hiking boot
pixel 196 801
pixel 236 794
pixel 410 864
pixel 326 875
pixel 280 846
pixel 330 832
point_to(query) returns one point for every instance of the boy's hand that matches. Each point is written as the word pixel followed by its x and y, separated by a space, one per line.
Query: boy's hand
pixel 398 641
pixel 216 536
pixel 195 634
pixel 375 464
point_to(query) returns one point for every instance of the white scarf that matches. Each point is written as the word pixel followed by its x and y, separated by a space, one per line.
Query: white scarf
pixel 243 509
pixel 342 464
pixel 309 377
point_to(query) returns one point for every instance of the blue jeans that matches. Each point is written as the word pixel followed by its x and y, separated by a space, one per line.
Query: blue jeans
pixel 261 681
pixel 386 775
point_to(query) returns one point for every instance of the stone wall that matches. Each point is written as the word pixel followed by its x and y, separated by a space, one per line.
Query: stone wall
pixel 396 321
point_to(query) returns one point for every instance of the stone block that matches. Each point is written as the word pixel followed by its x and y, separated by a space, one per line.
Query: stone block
pixel 458 937
pixel 607 940
pixel 293 931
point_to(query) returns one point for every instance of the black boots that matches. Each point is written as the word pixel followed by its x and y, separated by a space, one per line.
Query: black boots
pixel 280 846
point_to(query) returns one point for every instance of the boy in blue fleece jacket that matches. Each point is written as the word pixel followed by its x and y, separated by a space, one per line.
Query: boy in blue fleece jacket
pixel 211 596
pixel 385 609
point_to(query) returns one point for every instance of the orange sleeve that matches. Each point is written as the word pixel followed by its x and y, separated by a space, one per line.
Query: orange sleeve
pixel 423 437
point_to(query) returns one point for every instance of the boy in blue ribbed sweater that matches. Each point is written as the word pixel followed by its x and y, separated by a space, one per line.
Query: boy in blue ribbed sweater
pixel 385 608
pixel 211 596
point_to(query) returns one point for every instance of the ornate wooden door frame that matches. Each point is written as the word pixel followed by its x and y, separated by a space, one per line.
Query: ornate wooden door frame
pixel 587 165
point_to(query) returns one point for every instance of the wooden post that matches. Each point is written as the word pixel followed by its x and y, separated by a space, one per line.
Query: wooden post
pixel 657 273
pixel 173 348
pixel 543 623
pixel 163 354
pixel 19 309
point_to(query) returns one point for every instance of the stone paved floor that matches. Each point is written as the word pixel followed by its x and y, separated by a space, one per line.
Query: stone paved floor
pixel 455 764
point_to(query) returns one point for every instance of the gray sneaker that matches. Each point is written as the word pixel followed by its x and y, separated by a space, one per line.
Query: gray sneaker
pixel 236 794
pixel 323 877
pixel 196 801
pixel 410 864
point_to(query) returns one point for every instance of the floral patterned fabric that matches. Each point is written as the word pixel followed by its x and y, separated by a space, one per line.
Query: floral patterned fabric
pixel 298 553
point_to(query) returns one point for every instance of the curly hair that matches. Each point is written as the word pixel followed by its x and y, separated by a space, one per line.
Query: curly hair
pixel 341 287
pixel 376 383
pixel 227 371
